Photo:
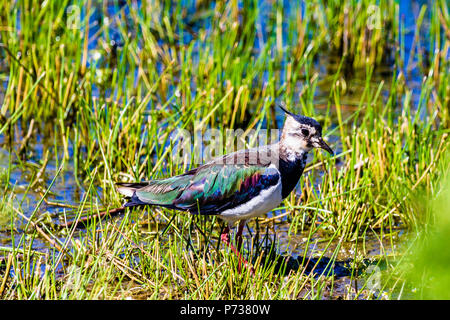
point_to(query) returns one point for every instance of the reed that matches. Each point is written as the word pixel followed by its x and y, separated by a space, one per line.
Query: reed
pixel 92 94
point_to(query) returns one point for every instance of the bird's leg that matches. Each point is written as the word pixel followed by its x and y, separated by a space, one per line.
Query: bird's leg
pixel 225 237
pixel 239 234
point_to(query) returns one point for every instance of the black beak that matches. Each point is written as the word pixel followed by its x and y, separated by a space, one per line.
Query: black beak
pixel 322 144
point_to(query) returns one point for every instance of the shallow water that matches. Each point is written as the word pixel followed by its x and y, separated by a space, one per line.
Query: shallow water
pixel 66 190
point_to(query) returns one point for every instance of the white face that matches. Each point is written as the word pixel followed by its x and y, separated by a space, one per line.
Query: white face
pixel 301 137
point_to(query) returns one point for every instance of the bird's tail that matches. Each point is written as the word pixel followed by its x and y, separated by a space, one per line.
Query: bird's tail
pixel 128 189
pixel 154 192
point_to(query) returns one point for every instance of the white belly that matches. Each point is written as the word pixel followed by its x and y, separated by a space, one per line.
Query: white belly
pixel 266 201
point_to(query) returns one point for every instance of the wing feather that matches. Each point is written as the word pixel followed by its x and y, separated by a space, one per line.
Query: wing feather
pixel 207 190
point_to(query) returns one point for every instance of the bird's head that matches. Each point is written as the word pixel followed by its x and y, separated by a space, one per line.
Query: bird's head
pixel 302 133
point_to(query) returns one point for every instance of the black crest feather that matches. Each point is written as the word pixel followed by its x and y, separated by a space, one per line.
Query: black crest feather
pixel 302 119
pixel 283 107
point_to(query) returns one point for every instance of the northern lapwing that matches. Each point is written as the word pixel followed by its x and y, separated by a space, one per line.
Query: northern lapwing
pixel 237 186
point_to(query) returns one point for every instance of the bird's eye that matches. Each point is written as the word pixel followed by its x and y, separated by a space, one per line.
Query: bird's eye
pixel 305 132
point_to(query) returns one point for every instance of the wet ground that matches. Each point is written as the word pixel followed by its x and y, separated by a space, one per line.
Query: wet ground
pixel 67 191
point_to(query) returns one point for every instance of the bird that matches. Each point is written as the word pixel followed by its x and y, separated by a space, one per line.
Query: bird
pixel 237 186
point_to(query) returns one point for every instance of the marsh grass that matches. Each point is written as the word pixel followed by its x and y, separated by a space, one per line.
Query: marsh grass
pixel 88 106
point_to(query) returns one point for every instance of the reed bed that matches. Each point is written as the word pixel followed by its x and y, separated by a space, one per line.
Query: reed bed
pixel 92 93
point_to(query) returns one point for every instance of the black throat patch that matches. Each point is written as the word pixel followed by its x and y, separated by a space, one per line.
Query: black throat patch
pixel 291 171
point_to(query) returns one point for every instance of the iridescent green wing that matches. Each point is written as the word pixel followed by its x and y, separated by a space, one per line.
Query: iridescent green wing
pixel 209 189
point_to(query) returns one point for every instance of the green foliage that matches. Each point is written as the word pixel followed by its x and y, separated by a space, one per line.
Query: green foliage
pixel 80 112
pixel 429 265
